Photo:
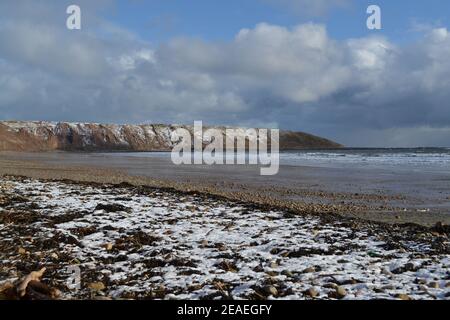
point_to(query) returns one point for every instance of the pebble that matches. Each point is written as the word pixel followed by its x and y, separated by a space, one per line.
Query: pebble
pixel 97 286
pixel 421 281
pixel 403 296
pixel 271 290
pixel 309 270
pixel 386 272
pixel 273 265
pixel 330 285
pixel 341 292
pixel 423 288
pixel 388 287
pixel 434 285
pixel 312 292
pixel 287 273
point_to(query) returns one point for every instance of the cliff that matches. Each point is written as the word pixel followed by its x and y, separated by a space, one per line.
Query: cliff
pixel 49 136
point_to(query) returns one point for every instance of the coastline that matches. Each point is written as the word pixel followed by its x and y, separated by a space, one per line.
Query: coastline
pixel 317 190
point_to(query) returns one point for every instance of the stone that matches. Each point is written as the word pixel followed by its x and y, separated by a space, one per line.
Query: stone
pixel 97 286
pixel 330 285
pixel 271 290
pixel 341 292
pixel 388 287
pixel 309 270
pixel 287 273
pixel 403 296
pixel 312 292
pixel 386 272
pixel 434 285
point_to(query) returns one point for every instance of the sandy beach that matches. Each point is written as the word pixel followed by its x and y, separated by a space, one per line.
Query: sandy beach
pixel 379 194
pixel 143 229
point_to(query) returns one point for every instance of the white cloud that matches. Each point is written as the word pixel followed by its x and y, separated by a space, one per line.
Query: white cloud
pixel 296 78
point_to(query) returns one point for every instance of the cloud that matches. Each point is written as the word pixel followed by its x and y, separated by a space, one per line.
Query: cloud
pixel 364 91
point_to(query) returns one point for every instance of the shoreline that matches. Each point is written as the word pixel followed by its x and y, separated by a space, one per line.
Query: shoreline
pixel 369 206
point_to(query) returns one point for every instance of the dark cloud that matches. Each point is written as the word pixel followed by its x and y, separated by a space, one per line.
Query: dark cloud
pixel 365 91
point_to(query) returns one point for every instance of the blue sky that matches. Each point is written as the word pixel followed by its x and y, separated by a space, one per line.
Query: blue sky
pixel 303 65
pixel 160 20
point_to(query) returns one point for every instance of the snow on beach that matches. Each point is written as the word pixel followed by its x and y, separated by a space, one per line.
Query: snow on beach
pixel 147 243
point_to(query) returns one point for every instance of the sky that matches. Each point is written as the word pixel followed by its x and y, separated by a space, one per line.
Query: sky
pixel 303 65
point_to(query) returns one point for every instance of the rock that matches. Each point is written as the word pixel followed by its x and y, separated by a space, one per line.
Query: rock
pixel 434 285
pixel 447 285
pixel 271 290
pixel 330 285
pixel 421 281
pixel 22 251
pixel 287 273
pixel 273 265
pixel 97 286
pixel 441 228
pixel 341 292
pixel 311 292
pixel 309 270
pixel 386 272
pixel 423 288
pixel 388 287
pixel 406 268
pixel 403 296
pixel 258 268
pixel 54 256
pixel 115 207
pixel 108 246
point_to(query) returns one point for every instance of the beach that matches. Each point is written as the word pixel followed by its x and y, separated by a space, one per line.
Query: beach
pixel 142 228
pixel 148 243
pixel 383 193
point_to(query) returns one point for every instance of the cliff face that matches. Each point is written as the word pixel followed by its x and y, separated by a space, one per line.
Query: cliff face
pixel 48 136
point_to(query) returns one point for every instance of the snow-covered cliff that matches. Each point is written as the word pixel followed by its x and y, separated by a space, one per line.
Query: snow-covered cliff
pixel 48 136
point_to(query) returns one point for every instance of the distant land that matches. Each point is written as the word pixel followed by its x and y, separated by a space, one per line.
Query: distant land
pixel 36 136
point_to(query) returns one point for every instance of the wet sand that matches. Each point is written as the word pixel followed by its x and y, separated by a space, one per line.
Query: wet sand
pixel 383 195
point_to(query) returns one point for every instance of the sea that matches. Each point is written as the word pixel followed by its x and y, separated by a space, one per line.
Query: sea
pixel 428 159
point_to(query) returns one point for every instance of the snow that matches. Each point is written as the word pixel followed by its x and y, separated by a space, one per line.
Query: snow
pixel 194 235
